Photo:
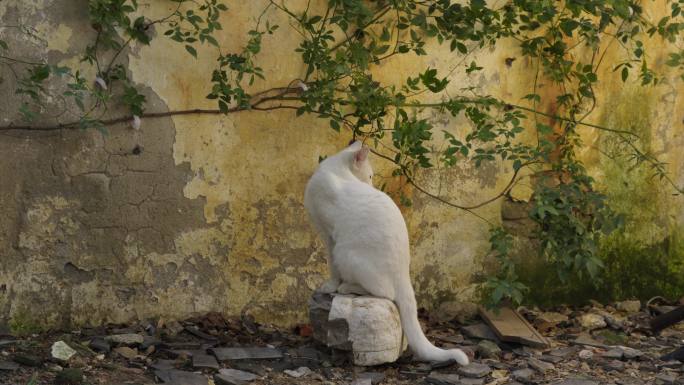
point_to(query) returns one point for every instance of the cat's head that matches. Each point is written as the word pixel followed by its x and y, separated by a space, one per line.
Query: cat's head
pixel 360 164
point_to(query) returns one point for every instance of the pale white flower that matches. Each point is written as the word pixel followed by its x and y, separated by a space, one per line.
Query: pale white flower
pixel 101 82
pixel 302 85
pixel 135 123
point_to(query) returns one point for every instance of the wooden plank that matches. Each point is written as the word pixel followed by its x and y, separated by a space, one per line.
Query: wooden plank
pixel 510 326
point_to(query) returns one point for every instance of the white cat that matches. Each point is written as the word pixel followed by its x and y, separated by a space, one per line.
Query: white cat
pixel 367 241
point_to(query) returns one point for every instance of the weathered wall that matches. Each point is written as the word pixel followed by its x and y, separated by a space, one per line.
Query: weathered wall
pixel 203 213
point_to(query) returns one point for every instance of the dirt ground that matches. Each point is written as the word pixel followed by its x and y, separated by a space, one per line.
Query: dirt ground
pixel 589 346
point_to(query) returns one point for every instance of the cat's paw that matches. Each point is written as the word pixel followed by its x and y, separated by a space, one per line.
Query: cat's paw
pixel 351 288
pixel 329 286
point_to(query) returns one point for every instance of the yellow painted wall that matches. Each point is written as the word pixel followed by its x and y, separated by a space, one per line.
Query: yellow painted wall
pixel 221 226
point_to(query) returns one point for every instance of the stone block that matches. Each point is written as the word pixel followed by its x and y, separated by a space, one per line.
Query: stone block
pixel 369 327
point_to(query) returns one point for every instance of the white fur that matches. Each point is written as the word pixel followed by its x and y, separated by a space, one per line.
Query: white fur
pixel 367 241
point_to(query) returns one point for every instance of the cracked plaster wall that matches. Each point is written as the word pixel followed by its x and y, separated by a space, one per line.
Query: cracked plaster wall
pixel 203 213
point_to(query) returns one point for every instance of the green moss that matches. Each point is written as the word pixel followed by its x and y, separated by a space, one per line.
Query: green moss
pixel 21 324
pixel 645 257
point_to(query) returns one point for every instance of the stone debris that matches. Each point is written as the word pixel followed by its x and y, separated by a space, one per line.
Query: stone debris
pixel 125 339
pixel 436 378
pixel 8 365
pixel 540 366
pixel 27 360
pixel 362 381
pixel 250 353
pixel 69 376
pixel 474 370
pixel 180 377
pixel 576 381
pixel 614 365
pixel 126 352
pixel 523 375
pixel 479 331
pixel 233 377
pixel 204 361
pixel 629 306
pixel 630 353
pixel 472 381
pixel 592 321
pixel 488 349
pixel 553 318
pixel 586 354
pixel 99 344
pixel 229 354
pixel 665 379
pixel 61 351
pixel 615 354
pixel 299 372
pixel 374 377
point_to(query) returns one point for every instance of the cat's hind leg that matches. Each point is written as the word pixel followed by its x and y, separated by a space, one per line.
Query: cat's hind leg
pixel 351 288
pixel 333 283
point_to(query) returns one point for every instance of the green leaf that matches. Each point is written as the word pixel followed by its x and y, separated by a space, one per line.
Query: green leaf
pixel 3 45
pixel 335 125
pixel 223 107
pixel 625 73
pixel 192 50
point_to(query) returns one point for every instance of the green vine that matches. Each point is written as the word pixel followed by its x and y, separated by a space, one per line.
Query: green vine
pixel 342 43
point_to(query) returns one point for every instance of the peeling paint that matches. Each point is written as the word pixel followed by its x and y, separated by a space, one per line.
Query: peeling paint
pixel 202 213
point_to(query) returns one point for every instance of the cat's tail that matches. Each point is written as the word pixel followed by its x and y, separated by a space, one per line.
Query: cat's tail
pixel 420 346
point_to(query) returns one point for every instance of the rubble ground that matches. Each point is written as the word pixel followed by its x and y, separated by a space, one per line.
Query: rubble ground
pixel 589 346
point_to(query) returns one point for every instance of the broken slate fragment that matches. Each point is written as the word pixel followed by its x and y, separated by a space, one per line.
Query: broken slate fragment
pixel 474 370
pixel 576 381
pixel 613 354
pixel 233 377
pixel 61 351
pixel 299 372
pixel 180 377
pixel 629 306
pixel 7 342
pixel 630 353
pixel 251 366
pixel 163 365
pixel 362 381
pixel 69 376
pixel 443 379
pixel 9 366
pixel 204 361
pixel 227 354
pixel 125 339
pixel 375 377
pixel 665 379
pixel 200 334
pixel 126 352
pixel 564 352
pixel 472 381
pixel 591 321
pixel 614 365
pixel 540 366
pixel 488 349
pixel 586 340
pixel 27 360
pixel 479 331
pixel 550 358
pixel 523 375
pixel 99 344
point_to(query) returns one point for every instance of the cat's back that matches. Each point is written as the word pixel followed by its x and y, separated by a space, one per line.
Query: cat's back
pixel 365 203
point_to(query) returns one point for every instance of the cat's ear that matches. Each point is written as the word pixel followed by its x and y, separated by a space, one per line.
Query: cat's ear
pixel 361 155
pixel 355 145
